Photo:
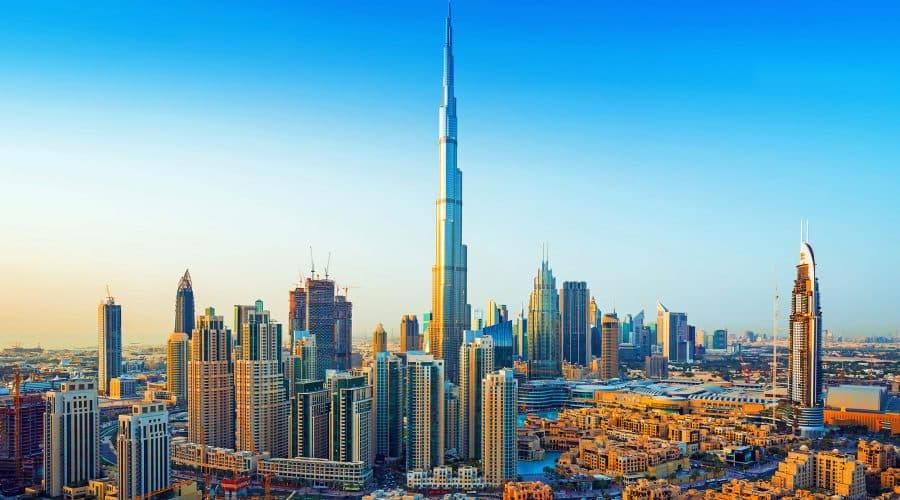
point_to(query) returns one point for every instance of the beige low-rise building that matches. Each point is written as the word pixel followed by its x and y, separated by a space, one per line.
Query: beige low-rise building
pixel 876 456
pixel 531 490
pixel 826 470
pixel 651 490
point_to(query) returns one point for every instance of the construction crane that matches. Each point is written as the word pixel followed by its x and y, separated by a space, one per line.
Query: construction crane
pixel 347 288
pixel 171 487
pixel 327 264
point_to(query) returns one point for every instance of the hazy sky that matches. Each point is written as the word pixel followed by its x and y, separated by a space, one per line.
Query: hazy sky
pixel 663 152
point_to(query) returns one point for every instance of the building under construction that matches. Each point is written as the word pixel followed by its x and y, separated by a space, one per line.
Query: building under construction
pixel 20 458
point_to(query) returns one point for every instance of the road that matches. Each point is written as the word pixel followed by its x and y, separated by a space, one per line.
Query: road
pixel 107 443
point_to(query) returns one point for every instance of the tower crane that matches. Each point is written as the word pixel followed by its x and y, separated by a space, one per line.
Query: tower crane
pixel 347 288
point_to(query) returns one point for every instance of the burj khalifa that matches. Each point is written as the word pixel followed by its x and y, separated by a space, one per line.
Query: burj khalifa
pixel 448 286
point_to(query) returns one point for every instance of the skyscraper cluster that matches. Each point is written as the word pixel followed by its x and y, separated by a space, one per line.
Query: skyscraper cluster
pixel 315 308
pixel 451 389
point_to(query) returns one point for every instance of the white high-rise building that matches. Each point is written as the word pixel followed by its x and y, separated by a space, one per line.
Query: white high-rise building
pixel 476 360
pixel 424 412
pixel 499 451
pixel 211 383
pixel 260 393
pixel 71 436
pixel 143 450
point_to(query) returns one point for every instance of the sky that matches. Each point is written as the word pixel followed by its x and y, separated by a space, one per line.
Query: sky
pixel 663 151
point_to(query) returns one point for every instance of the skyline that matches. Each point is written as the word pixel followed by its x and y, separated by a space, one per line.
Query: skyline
pixel 140 250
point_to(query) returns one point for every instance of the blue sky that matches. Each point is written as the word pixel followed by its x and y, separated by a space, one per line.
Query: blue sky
pixel 663 151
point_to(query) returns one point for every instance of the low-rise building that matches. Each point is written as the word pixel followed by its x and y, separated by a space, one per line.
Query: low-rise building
pixel 826 470
pixel 197 456
pixel 352 476
pixel 444 478
pixel 876 456
pixel 643 489
pixel 531 490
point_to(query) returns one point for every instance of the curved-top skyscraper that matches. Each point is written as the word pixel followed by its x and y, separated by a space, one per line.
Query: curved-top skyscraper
pixel 448 285
pixel 805 342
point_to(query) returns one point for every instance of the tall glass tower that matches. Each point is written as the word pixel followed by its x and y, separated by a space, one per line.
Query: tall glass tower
pixel 448 285
pixel 109 342
pixel 544 357
pixel 184 305
pixel 805 342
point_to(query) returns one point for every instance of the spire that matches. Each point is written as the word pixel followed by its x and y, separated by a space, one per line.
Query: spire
pixel 185 281
pixel 449 35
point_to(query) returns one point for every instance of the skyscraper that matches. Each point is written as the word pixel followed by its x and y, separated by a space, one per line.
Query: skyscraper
pixel 320 321
pixel 240 316
pixel 379 340
pixel 495 313
pixel 520 334
pixel 211 383
pixel 451 418
pixel 502 335
pixel 424 412
pixel 178 354
pixel 448 276
pixel 303 359
pixel 805 342
pixel 410 340
pixel 260 392
pixel 388 379
pixel 626 331
pixel 426 333
pixel 574 307
pixel 343 332
pixel 310 420
pixel 109 333
pixel 499 451
pixel 476 360
pixel 297 309
pixel 672 330
pixel 71 435
pixel 641 333
pixel 184 305
pixel 143 450
pixel 609 359
pixel 352 420
pixel 544 359
pixel 596 318
pixel 719 340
